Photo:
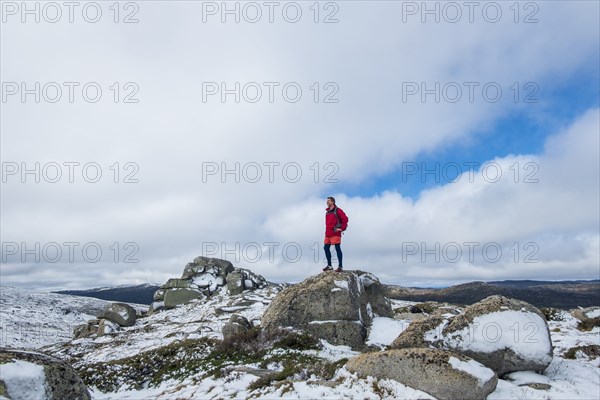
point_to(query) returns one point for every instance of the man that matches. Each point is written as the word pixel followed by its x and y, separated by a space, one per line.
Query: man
pixel 336 222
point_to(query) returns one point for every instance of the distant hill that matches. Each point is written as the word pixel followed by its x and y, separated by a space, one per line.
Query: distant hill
pixel 559 294
pixel 140 294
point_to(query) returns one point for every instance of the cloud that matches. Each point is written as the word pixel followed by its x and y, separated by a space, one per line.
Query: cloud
pixel 545 229
pixel 170 134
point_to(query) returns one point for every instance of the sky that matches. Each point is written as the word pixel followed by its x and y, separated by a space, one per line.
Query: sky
pixel 462 140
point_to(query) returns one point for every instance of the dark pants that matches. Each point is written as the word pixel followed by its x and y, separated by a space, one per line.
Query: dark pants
pixel 338 251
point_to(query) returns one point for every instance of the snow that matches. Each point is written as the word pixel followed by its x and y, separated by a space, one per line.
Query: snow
pixel 207 280
pixel 341 284
pixel 435 333
pixel 157 304
pixel 384 330
pixel 523 332
pixel 337 289
pixel 569 379
pixel 32 320
pixel 24 380
pixel 473 368
pixel 593 314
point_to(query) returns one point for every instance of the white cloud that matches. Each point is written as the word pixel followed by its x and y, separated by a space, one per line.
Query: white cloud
pixel 170 133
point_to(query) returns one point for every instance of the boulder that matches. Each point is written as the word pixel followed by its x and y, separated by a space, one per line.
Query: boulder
pixel 192 269
pixel 86 330
pixel 584 314
pixel 373 296
pixel 349 333
pixel 216 265
pixel 175 297
pixel 45 376
pixel 446 375
pixel 120 313
pixel 235 282
pixel 418 333
pixel 338 307
pixel 105 327
pixel 503 334
pixel 175 283
pixel 159 295
pixel 236 325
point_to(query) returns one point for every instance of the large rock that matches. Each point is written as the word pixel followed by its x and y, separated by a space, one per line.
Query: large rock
pixel 443 374
pixel 201 264
pixel 338 307
pixel 86 330
pixel 418 333
pixel 180 296
pixel 45 377
pixel 504 334
pixel 175 283
pixel 235 282
pixel 351 333
pixel 236 325
pixel 120 313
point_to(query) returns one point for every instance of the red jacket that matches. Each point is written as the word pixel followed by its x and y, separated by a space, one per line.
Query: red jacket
pixel 331 221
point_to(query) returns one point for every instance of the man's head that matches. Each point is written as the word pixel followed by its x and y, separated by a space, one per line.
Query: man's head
pixel 330 202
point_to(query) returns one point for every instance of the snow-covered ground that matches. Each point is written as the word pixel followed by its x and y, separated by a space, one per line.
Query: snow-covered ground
pixel 31 319
pixel 565 378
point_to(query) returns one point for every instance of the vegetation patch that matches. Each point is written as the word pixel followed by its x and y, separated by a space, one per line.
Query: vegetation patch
pixel 298 366
pixel 590 350
pixel 210 357
pixel 428 307
pixel 552 314
pixel 588 324
pixel 176 360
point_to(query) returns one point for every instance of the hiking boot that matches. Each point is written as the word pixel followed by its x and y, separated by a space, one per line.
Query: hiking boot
pixel 339 269
pixel 328 268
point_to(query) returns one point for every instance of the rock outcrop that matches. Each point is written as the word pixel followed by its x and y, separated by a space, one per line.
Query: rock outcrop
pixel 43 376
pixel 235 326
pixel 202 278
pixel 338 307
pixel 503 334
pixel 112 319
pixel 443 374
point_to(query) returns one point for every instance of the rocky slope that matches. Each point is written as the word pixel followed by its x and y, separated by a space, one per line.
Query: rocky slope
pixel 257 342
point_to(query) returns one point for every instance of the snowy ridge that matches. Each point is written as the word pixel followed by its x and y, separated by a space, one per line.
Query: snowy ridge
pixel 32 320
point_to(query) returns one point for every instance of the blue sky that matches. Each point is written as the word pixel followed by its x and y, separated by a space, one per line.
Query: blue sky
pixel 522 131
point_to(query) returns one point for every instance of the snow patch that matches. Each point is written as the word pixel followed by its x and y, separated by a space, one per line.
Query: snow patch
pixel 523 332
pixel 593 314
pixel 473 368
pixel 385 330
pixel 24 380
pixel 157 304
pixel 341 284
pixel 435 334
